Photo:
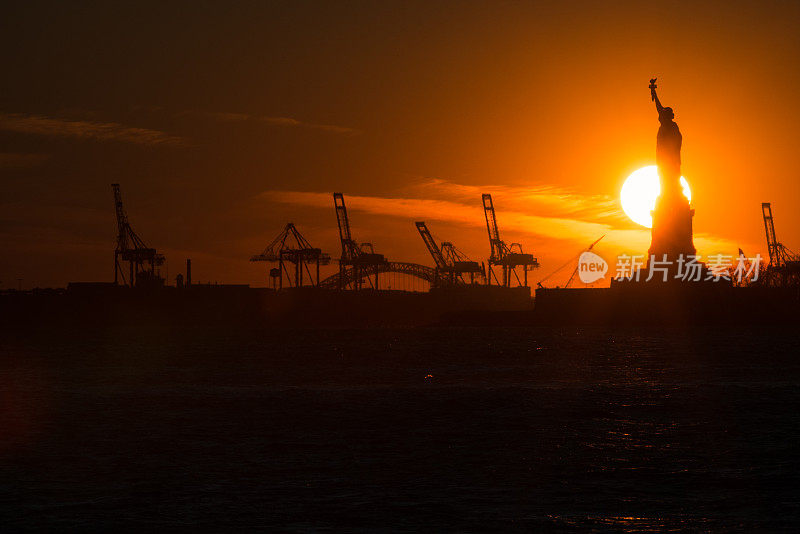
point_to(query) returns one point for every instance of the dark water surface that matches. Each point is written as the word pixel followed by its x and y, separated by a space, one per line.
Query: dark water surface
pixel 439 429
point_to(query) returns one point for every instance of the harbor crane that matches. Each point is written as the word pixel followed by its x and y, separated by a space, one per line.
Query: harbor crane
pixel 505 256
pixel 362 259
pixel 290 247
pixel 746 266
pixel 142 260
pixel 784 265
pixel 572 261
pixel 451 263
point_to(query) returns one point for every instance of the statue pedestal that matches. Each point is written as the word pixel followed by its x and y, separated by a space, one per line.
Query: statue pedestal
pixel 672 227
pixel 671 235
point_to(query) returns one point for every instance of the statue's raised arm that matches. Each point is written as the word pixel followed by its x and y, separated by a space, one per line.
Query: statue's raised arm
pixel 654 96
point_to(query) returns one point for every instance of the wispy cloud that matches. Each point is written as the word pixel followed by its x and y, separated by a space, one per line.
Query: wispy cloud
pixel 513 222
pixel 95 130
pixel 275 121
pixel 541 212
pixel 538 199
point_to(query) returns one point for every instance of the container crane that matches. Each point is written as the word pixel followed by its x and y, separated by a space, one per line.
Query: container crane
pixel 572 261
pixel 507 257
pixel 361 259
pixel 461 263
pixel 784 265
pixel 741 268
pixel 451 264
pixel 291 247
pixel 433 248
pixel 142 260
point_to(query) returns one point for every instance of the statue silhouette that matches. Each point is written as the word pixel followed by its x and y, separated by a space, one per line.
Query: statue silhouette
pixel 672 218
pixel 668 146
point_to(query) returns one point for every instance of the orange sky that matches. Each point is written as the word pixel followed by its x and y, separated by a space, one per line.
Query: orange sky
pixel 224 123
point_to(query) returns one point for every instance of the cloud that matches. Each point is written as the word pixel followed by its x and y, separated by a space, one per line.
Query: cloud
pixel 99 131
pixel 544 213
pixel 10 160
pixel 275 121
pixel 540 198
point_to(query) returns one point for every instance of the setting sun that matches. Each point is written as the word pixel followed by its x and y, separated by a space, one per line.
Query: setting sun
pixel 639 193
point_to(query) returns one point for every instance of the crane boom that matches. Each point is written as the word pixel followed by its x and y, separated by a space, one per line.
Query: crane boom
pixel 451 264
pixel 495 243
pixel 142 259
pixel 572 276
pixel 433 248
pixel 350 249
pixel 772 242
pixel 784 265
pixel 362 259
pixel 508 258
pixel 122 219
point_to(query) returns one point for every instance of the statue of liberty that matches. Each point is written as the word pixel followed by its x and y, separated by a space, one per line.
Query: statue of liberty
pixel 668 146
pixel 672 217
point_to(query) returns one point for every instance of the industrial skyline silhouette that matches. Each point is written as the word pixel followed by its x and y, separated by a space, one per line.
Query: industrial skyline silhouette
pixel 399 266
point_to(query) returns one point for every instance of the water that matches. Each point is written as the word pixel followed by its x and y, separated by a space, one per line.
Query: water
pixel 441 429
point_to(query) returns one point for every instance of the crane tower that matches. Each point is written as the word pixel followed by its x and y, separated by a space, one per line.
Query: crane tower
pixel 142 260
pixel 451 263
pixel 505 256
pixel 291 247
pixel 362 259
pixel 784 265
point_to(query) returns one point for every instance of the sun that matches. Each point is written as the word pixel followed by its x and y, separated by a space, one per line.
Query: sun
pixel 639 193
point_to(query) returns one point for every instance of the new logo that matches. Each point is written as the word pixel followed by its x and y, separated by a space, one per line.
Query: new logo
pixel 591 267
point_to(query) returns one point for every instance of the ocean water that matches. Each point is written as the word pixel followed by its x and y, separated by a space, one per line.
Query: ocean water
pixel 435 429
